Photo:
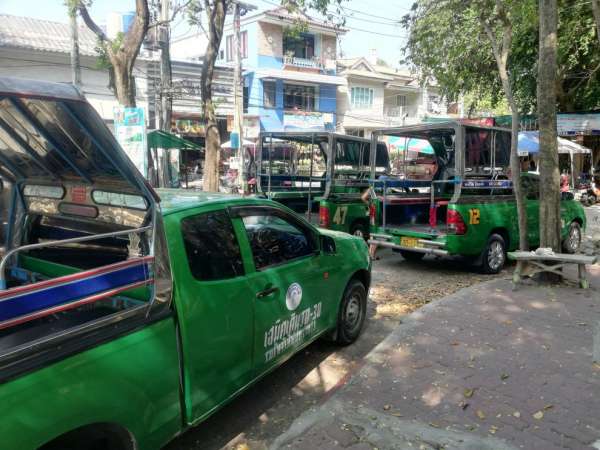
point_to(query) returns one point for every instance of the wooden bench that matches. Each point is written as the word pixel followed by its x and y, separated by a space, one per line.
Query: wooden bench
pixel 532 264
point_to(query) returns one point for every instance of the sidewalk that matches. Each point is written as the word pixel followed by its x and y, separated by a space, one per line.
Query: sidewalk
pixel 486 368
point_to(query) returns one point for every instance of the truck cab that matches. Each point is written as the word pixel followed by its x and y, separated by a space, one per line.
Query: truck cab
pixel 129 314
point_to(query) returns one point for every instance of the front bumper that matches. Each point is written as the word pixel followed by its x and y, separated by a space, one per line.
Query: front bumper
pixel 428 247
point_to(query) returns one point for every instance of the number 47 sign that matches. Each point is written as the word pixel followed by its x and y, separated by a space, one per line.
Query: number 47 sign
pixel 339 218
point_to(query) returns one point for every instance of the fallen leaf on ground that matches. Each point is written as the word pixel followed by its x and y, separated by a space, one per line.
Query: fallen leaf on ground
pixel 547 407
pixel 468 393
pixel 538 415
pixel 480 414
pixel 504 376
pixel 387 407
pixel 517 414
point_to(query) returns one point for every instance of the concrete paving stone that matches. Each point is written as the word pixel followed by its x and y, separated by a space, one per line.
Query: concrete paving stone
pixel 540 338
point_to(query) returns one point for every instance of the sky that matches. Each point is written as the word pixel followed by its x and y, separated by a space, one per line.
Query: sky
pixel 370 23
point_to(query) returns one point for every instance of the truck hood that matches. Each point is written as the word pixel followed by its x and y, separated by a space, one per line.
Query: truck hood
pixel 50 135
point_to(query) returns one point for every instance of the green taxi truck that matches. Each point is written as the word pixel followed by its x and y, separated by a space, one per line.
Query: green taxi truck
pixel 322 175
pixel 128 315
pixel 449 193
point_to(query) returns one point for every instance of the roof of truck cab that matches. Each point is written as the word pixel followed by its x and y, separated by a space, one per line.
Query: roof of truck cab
pixel 174 200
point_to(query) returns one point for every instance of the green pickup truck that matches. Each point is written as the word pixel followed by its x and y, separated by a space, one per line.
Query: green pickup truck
pixel 128 315
pixel 449 193
pixel 322 175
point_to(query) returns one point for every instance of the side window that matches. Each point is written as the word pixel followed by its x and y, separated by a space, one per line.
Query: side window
pixel 212 249
pixel 275 240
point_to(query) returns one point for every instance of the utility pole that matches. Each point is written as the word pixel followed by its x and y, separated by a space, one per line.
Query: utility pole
pixel 164 36
pixel 239 9
pixel 75 62
pixel 238 97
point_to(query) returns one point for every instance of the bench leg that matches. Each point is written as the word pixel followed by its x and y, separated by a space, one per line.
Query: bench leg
pixel 516 279
pixel 583 282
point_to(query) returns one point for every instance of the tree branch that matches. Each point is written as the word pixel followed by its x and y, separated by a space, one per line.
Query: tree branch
pixel 134 37
pixel 85 15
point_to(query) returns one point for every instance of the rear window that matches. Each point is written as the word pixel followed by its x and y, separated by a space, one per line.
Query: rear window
pixel 211 246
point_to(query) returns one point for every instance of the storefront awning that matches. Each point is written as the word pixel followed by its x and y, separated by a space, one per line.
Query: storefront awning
pixel 162 139
pixel 304 77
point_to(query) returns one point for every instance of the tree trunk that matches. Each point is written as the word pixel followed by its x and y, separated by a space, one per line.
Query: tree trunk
pixel 216 20
pixel 501 53
pixel 124 84
pixel 596 11
pixel 549 173
pixel 75 60
pixel 166 102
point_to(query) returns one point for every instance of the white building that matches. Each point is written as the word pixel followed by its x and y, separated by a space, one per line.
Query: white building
pixel 379 96
pixel 40 50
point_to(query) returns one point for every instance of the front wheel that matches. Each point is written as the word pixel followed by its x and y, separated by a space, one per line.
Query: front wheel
pixel 352 313
pixel 494 255
pixel 572 242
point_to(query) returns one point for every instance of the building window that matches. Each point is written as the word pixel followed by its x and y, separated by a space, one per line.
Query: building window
pixel 361 97
pixel 401 101
pixel 269 94
pixel 230 50
pixel 299 97
pixel 246 97
pixel 221 54
pixel 302 46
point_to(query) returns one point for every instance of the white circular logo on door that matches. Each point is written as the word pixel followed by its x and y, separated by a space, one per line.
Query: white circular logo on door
pixel 293 296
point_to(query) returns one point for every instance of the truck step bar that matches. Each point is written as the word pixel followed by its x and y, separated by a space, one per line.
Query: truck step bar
pixel 426 250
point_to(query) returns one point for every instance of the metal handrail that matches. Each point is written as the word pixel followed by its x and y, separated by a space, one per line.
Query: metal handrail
pixel 61 242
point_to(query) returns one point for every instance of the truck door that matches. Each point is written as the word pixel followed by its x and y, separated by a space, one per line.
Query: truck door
pixel 215 310
pixel 293 301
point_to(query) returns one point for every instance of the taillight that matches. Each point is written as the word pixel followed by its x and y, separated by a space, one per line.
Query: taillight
pixel 372 213
pixel 324 216
pixel 455 222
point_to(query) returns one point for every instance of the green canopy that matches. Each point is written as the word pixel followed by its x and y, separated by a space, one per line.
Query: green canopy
pixel 162 139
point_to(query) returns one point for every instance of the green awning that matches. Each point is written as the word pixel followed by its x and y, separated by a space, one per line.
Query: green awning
pixel 162 139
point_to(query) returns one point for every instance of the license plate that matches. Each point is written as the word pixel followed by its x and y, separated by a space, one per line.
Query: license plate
pixel 410 242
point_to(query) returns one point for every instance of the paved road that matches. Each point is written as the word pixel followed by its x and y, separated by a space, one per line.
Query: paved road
pixel 259 416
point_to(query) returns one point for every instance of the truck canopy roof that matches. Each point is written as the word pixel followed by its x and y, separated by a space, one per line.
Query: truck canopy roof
pixel 50 135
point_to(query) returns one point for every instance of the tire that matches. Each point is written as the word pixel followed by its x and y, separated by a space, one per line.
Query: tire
pixel 359 229
pixel 493 256
pixel 412 256
pixel 352 313
pixel 572 242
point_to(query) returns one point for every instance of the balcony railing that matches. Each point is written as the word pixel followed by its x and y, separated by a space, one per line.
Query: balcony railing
pixel 307 63
pixel 394 111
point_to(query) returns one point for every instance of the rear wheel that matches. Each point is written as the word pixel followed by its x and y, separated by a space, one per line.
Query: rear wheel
pixel 352 313
pixel 412 256
pixel 572 242
pixel 359 229
pixel 493 257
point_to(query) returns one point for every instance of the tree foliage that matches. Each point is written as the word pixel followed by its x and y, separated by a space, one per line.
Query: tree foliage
pixel 446 43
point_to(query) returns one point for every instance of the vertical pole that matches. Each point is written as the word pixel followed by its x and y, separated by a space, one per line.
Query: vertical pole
pixel 75 61
pixel 310 176
pixel 270 167
pixel 165 68
pixel 238 96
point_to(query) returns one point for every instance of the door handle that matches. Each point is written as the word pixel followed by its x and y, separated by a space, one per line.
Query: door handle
pixel 267 292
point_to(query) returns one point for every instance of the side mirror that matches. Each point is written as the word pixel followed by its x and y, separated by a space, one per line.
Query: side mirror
pixel 327 245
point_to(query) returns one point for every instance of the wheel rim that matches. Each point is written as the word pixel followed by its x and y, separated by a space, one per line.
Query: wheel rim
pixel 574 238
pixel 353 313
pixel 495 255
